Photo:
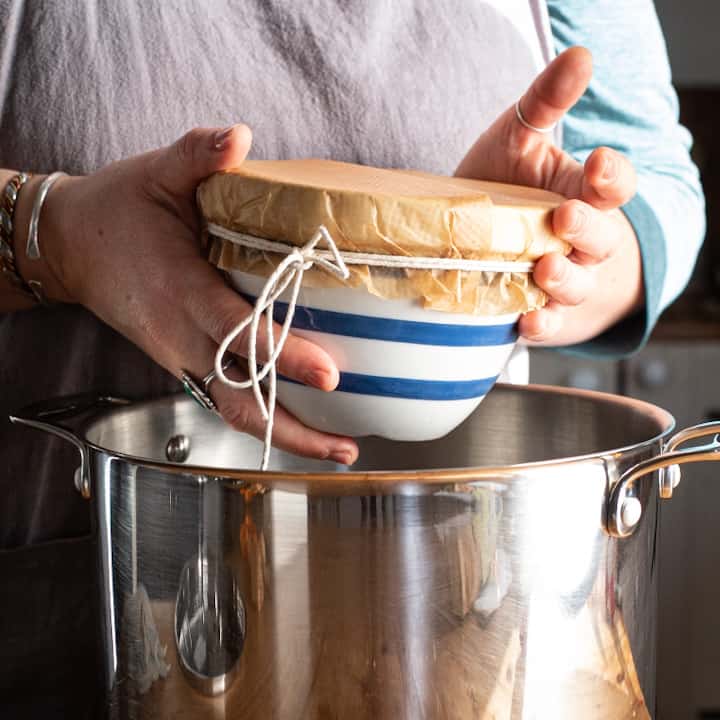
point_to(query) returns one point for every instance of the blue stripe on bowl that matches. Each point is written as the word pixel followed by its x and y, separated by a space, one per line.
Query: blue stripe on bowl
pixel 406 331
pixel 411 389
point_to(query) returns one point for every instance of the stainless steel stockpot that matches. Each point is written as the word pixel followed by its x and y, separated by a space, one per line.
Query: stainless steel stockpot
pixel 506 571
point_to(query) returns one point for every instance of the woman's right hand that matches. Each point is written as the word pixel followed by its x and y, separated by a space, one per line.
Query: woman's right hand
pixel 124 242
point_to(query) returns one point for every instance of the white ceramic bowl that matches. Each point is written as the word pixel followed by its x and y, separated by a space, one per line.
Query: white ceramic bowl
pixel 405 373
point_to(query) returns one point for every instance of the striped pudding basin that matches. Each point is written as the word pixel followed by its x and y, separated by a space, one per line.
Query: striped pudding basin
pixel 405 373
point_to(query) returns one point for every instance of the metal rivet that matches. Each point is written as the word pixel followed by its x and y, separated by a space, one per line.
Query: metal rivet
pixel 630 512
pixel 178 448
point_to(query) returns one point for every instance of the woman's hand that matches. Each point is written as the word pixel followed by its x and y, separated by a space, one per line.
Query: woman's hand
pixel 124 242
pixel 600 282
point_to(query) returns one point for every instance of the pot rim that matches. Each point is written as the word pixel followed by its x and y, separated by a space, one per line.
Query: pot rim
pixel 298 480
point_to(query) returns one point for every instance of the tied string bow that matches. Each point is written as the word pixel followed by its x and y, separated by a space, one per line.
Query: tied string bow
pixel 288 273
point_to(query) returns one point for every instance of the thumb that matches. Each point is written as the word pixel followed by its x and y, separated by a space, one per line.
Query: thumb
pixel 497 152
pixel 556 89
pixel 179 167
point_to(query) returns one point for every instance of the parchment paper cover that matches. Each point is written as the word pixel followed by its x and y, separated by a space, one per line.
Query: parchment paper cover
pixel 395 212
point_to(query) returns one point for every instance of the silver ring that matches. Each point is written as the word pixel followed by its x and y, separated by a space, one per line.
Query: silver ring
pixel 198 391
pixel 212 374
pixel 526 124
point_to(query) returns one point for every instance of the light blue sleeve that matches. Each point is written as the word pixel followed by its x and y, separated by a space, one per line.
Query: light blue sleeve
pixel 632 107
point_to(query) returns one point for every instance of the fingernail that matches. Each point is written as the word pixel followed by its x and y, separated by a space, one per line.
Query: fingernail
pixel 559 275
pixel 222 138
pixel 342 456
pixel 320 379
pixel 540 327
pixel 609 169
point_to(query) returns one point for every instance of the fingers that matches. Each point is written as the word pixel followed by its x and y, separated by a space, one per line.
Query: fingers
pixel 564 281
pixel 594 234
pixel 199 153
pixel 556 89
pixel 541 326
pixel 510 152
pixel 593 288
pixel 609 179
pixel 239 409
pixel 595 237
pixel 217 310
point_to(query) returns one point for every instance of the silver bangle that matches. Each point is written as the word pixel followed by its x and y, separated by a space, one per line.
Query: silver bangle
pixel 33 244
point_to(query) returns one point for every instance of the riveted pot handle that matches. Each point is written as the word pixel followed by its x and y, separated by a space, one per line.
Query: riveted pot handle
pixel 624 510
pixel 59 417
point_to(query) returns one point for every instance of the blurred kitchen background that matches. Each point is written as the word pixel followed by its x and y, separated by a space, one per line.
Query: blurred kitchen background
pixel 680 371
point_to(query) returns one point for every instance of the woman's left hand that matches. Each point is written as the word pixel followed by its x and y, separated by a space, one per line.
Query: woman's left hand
pixel 600 282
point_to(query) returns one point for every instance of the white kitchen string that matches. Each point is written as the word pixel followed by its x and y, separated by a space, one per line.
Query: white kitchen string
pixel 289 273
pixel 410 262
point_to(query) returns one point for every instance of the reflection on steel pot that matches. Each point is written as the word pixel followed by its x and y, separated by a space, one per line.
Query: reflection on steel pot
pixel 506 571
pixel 209 610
